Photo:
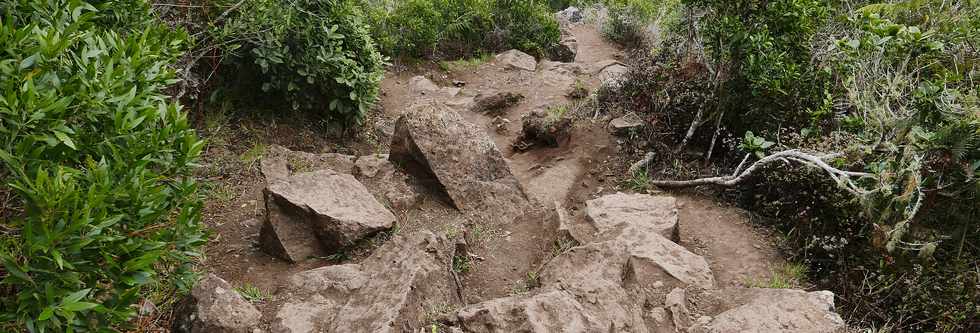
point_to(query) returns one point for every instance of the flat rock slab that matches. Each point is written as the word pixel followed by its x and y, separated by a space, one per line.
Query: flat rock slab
pixel 433 141
pixel 391 291
pixel 335 207
pixel 656 213
pixel 214 306
pixel 625 124
pixel 546 312
pixel 778 310
pixel 654 258
pixel 515 59
pixel 279 162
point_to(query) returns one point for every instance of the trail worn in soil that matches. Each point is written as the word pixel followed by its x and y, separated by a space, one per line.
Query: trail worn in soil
pixel 505 256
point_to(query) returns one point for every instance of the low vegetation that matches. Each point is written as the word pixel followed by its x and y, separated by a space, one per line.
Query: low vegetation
pixel 856 126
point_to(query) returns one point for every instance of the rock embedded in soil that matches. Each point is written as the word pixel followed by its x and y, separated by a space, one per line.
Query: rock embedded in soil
pixel 655 259
pixel 434 142
pixel 391 291
pixel 612 76
pixel 493 102
pixel 213 306
pixel 539 128
pixel 566 50
pixel 778 310
pixel 657 213
pixel 570 14
pixel 279 162
pixel 626 124
pixel 545 312
pixel 371 165
pixel 334 207
pixel 515 59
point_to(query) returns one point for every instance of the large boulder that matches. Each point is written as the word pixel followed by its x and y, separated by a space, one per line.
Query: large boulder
pixel 778 310
pixel 388 292
pixel 213 306
pixel 435 142
pixel 334 207
pixel 656 213
pixel 515 59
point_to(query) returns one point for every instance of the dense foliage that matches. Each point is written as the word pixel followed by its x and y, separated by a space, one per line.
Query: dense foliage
pixel 889 91
pixel 451 28
pixel 98 202
pixel 318 55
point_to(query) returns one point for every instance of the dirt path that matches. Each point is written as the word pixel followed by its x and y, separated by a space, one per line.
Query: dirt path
pixel 509 254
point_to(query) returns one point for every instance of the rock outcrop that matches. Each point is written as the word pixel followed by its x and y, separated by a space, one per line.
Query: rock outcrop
pixel 213 306
pixel 657 213
pixel 319 211
pixel 388 292
pixel 518 60
pixel 432 141
pixel 778 310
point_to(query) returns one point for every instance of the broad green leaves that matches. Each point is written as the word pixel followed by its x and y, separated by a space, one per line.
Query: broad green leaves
pixel 98 158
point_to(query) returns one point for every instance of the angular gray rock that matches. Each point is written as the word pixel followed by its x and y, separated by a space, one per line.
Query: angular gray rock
pixel 515 59
pixel 655 259
pixel 213 306
pixel 570 14
pixel 566 50
pixel 656 213
pixel 625 124
pixel 279 162
pixel 612 76
pixel 371 165
pixel 546 312
pixel 337 208
pixel 493 102
pixel 435 142
pixel 388 292
pixel 778 310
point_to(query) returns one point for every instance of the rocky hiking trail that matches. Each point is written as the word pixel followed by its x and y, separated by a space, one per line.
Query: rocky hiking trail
pixel 492 209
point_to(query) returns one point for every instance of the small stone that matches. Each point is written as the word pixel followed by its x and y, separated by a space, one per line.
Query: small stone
pixel 213 306
pixel 625 124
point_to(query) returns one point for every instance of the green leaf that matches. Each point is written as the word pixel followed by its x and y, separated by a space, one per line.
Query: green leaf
pixel 28 62
pixel 79 306
pixel 46 314
pixel 12 268
pixel 65 139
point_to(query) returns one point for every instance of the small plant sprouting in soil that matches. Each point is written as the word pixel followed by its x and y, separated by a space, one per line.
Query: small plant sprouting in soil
pixel 251 293
pixel 254 154
pixel 464 64
pixel 532 280
pixel 461 264
pixel 579 90
pixel 561 245
pixel 788 276
pixel 640 180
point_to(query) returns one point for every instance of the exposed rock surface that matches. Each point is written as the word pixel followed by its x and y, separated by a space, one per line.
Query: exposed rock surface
pixel 337 208
pixel 493 102
pixel 540 128
pixel 657 213
pixel 625 124
pixel 612 76
pixel 388 292
pixel 570 14
pixel 778 310
pixel 566 50
pixel 436 142
pixel 371 166
pixel 213 306
pixel 515 59
pixel 279 162
pixel 422 86
pixel 550 311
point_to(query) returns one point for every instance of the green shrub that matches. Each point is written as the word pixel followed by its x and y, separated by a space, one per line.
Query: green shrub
pixel 317 54
pixel 461 28
pixel 97 160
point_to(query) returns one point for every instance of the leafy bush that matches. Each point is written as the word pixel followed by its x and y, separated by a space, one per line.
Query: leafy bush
pixel 452 28
pixel 318 55
pixel 889 91
pixel 96 162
